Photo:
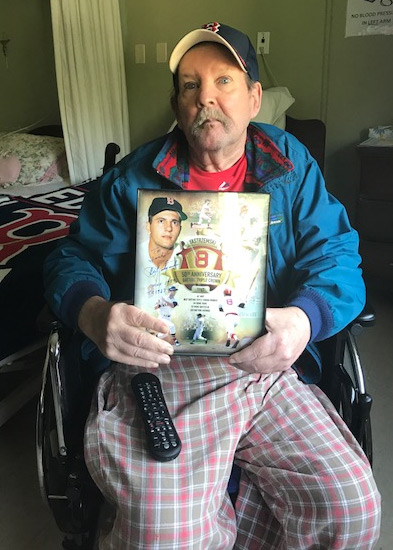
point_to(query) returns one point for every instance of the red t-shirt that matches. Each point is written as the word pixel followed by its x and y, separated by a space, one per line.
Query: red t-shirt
pixel 231 179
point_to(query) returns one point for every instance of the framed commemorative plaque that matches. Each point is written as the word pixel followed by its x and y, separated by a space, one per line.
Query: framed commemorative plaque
pixel 201 267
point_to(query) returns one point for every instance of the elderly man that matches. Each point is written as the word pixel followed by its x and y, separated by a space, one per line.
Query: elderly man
pixel 305 482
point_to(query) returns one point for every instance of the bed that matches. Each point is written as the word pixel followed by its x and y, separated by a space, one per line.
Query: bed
pixel 37 205
pixel 32 218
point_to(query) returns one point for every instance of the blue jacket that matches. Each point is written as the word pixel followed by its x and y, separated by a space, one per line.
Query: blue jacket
pixel 313 260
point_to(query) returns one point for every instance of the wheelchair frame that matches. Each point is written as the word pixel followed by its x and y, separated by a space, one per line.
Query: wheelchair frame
pixel 346 388
pixel 65 483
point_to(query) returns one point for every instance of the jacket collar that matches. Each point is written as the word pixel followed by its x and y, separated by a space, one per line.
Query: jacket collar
pixel 265 162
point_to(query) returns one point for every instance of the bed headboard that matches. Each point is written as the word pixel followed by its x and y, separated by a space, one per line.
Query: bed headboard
pixel 54 130
pixel 312 133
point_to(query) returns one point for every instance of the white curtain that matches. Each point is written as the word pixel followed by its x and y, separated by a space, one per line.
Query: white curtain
pixel 91 82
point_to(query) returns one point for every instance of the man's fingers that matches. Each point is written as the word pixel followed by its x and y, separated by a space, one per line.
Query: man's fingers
pixel 123 333
pixel 136 317
pixel 144 341
pixel 128 338
pixel 261 348
pixel 141 349
pixel 139 357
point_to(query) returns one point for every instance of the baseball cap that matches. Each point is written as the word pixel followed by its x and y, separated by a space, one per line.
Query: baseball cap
pixel 166 203
pixel 173 288
pixel 236 41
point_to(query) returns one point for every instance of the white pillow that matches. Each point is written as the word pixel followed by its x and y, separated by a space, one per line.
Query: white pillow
pixel 275 102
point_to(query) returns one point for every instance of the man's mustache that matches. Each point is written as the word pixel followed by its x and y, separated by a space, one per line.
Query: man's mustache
pixel 208 114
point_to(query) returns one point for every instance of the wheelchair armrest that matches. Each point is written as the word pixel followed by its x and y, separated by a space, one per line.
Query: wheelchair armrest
pixel 366 318
pixel 111 150
pixel 45 321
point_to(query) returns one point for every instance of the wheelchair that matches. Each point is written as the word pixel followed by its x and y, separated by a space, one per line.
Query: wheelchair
pixel 64 401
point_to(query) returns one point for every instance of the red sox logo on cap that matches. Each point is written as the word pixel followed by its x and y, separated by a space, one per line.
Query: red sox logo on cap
pixel 214 26
pixel 229 36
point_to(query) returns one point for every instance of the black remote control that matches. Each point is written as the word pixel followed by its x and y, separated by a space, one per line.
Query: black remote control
pixel 163 441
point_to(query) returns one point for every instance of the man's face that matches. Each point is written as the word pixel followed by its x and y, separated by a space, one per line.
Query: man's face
pixel 214 105
pixel 164 229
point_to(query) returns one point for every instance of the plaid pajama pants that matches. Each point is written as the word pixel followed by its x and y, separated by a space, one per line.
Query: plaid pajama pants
pixel 305 483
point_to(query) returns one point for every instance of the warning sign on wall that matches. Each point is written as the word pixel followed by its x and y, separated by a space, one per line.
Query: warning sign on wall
pixel 369 17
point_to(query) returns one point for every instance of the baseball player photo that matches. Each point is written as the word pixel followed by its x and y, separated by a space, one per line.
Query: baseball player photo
pixel 164 307
pixel 200 325
pixel 207 279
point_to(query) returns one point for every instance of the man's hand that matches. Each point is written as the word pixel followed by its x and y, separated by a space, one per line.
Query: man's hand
pixel 121 332
pixel 288 332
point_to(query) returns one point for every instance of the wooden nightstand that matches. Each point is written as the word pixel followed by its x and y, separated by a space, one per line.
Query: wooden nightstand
pixel 374 216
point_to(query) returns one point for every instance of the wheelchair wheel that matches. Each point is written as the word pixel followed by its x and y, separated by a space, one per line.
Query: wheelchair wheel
pixel 354 402
pixel 65 484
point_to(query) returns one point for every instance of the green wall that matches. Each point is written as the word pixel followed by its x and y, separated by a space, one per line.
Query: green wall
pixel 359 96
pixel 28 92
pixel 347 82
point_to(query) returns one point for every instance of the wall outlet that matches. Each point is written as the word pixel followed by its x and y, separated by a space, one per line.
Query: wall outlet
pixel 263 42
